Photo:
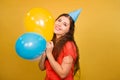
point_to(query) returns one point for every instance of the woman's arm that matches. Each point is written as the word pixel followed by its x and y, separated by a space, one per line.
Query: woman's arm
pixel 42 62
pixel 63 69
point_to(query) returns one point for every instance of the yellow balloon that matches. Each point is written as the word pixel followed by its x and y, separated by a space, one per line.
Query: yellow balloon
pixel 40 20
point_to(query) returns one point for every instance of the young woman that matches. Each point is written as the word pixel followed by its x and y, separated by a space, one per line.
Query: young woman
pixel 61 58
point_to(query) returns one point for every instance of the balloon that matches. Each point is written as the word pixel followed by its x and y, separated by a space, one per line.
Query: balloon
pixel 30 45
pixel 41 21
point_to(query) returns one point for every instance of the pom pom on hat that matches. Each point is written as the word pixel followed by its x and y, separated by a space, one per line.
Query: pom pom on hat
pixel 75 14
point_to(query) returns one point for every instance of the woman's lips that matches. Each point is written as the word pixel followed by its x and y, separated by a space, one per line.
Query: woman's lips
pixel 57 28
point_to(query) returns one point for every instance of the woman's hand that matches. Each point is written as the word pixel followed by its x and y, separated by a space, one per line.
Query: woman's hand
pixel 43 55
pixel 47 53
pixel 42 61
pixel 49 48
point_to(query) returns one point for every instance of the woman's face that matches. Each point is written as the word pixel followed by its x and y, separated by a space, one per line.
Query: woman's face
pixel 62 26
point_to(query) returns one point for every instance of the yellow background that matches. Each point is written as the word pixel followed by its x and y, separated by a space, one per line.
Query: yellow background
pixel 97 35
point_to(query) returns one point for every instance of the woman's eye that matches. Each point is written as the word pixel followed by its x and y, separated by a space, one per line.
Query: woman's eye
pixel 59 20
pixel 65 24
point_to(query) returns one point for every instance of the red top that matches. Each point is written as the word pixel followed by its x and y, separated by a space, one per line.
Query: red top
pixel 68 49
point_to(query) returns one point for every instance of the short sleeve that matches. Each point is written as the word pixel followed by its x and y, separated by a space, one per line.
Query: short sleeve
pixel 70 49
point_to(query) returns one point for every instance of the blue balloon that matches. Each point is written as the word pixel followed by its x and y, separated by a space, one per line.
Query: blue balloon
pixel 30 45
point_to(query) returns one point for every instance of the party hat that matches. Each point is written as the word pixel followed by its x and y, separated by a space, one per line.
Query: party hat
pixel 75 14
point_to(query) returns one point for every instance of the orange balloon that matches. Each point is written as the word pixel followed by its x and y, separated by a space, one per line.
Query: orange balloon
pixel 41 21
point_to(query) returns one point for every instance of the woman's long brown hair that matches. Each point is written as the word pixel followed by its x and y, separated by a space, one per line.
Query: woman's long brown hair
pixel 67 37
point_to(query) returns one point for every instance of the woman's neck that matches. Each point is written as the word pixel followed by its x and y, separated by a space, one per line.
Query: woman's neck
pixel 58 38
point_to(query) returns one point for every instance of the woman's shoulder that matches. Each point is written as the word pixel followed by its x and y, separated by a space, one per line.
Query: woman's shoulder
pixel 69 44
pixel 70 49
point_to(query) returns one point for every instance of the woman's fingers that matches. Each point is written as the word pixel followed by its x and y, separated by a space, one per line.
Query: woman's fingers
pixel 50 44
pixel 49 47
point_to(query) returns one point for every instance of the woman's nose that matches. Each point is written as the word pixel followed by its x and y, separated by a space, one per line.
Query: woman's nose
pixel 59 24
